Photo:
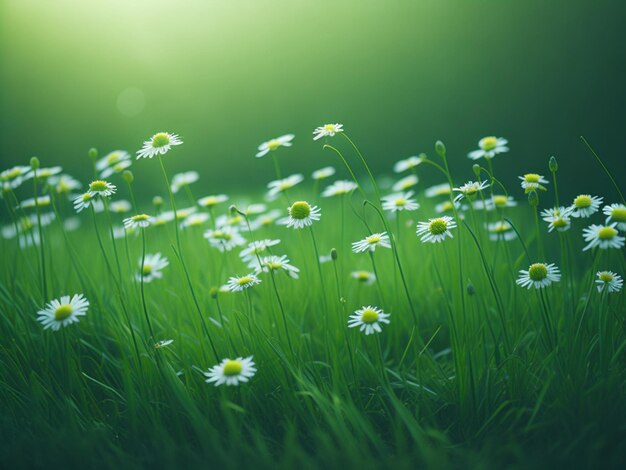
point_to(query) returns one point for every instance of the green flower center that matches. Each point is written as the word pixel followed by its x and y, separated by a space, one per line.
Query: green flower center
pixel 62 312
pixel 618 214
pixel 300 210
pixel 489 143
pixel 437 226
pixel 538 272
pixel 218 234
pixel 147 269
pixel 160 140
pixel 232 368
pixel 113 158
pixel 606 277
pixel 607 233
pixel 14 173
pixel 86 197
pixel 273 144
pixel 532 178
pixel 98 185
pixel 369 316
pixel 559 223
pixel 582 201
pixel 140 217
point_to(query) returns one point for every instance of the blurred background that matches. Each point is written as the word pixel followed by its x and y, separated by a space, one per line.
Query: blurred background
pixel 227 75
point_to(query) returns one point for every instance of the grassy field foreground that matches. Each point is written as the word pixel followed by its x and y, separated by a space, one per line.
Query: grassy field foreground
pixel 497 338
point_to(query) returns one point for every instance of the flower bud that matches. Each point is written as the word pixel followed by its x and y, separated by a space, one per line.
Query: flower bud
pixel 93 153
pixel 34 163
pixel 157 201
pixel 213 292
pixel 533 198
pixel 128 176
pixel 554 166
pixel 333 254
pixel 476 169
pixel 440 148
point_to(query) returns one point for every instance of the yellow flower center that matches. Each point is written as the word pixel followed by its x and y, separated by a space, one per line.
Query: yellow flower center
pixel 330 128
pixel 113 158
pixel 14 173
pixel 373 239
pixel 232 368
pixel 500 201
pixel 160 140
pixel 437 226
pixel 489 143
pixel 300 210
pixel 140 217
pixel 532 178
pixel 147 269
pixel 559 223
pixel 362 276
pixel 273 266
pixel 222 235
pixel 209 201
pixel 273 144
pixel 119 167
pixel 98 185
pixel 244 280
pixel 582 201
pixel 618 214
pixel 538 272
pixel 86 197
pixel 369 316
pixel 400 202
pixel 607 233
pixel 606 277
pixel 62 312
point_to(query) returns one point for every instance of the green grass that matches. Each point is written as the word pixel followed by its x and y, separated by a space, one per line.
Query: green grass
pixel 485 375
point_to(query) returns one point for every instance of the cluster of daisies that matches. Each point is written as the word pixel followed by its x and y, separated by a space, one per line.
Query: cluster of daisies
pixel 236 229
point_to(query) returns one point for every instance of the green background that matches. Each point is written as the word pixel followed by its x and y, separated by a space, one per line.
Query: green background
pixel 227 75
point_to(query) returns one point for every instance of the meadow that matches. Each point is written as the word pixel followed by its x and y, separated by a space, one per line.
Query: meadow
pixel 333 319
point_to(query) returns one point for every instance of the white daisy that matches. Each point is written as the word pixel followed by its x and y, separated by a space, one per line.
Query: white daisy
pixel 64 184
pixel 602 236
pixel 339 188
pixel 183 179
pixel 372 242
pixel 435 230
pixel 368 319
pixel 112 159
pixel 138 221
pixel 270 145
pixel 159 144
pixel 238 284
pixel 405 183
pixel 408 164
pixel 501 230
pixel 533 181
pixel 83 201
pixel 323 173
pixel 539 275
pixel 616 213
pixel 231 371
pixel 301 214
pixel 30 203
pixel 182 214
pixel 609 281
pixel 256 248
pixel 45 173
pixel 278 263
pixel 63 312
pixel 152 267
pixel 101 188
pixel 120 207
pixel 558 218
pixel 254 209
pixel 265 220
pixel 442 189
pixel 447 206
pixel 327 130
pixel 115 169
pixel 13 177
pixel 489 148
pixel 163 218
pixel 584 205
pixel 496 201
pixel 224 238
pixel 212 201
pixel 365 277
pixel 399 202
pixel 194 220
pixel 470 190
pixel 278 186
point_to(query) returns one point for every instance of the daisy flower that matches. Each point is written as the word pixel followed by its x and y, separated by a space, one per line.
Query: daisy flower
pixel 584 205
pixel 184 179
pixel 405 183
pixel 83 201
pixel 45 173
pixel 163 218
pixel 364 277
pixel 368 319
pixel 489 147
pixel 301 214
pixel 138 221
pixel 339 188
pixel 238 284
pixel 539 275
pixel 435 230
pixel 370 243
pixel 64 184
pixel 270 145
pixel 400 202
pixel 442 189
pixel 63 312
pixel 121 206
pixel 323 173
pixel 278 263
pixel 256 248
pixel 254 209
pixel 609 281
pixel 497 201
pixel 278 186
pixel 602 236
pixel 501 230
pixel 152 267
pixel 265 219
pixel 194 220
pixel 408 164
pixel 30 203
pixel 101 188
pixel 558 218
pixel 447 206
pixel 212 201
pixel 327 130
pixel 112 159
pixel 224 238
pixel 231 371
pixel 13 177
pixel 470 190
pixel 159 144
pixel 115 169
pixel 616 213
pixel 182 214
pixel 533 181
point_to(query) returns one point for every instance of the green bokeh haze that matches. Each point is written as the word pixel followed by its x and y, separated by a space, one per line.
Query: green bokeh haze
pixel 227 75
